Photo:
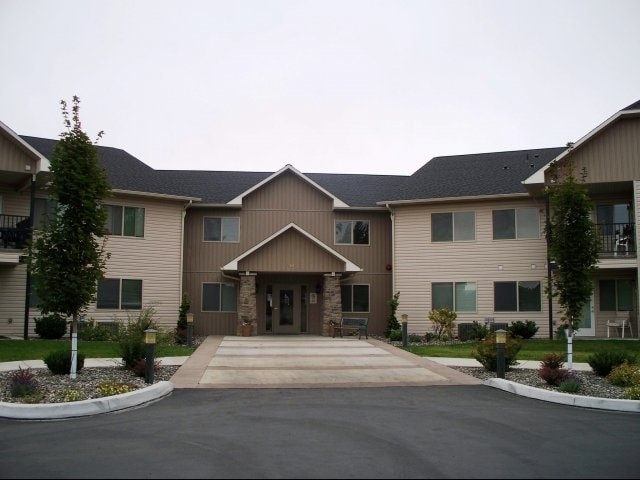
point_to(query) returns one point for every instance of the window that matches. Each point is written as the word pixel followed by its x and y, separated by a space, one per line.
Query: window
pixel 456 226
pixel 613 217
pixel 221 229
pixel 616 295
pixel 352 232
pixel 458 296
pixel 125 221
pixel 355 298
pixel 517 297
pixel 43 211
pixel 516 223
pixel 218 297
pixel 119 294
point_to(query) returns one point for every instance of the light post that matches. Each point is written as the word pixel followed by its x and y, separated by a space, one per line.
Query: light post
pixel 405 321
pixel 150 343
pixel 189 329
pixel 501 339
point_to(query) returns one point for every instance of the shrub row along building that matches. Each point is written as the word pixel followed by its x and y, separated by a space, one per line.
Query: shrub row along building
pixel 292 251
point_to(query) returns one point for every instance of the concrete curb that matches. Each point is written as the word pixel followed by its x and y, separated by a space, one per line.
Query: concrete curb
pixel 564 398
pixel 96 406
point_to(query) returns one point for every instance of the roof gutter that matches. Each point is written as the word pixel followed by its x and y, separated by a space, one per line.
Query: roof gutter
pixel 467 198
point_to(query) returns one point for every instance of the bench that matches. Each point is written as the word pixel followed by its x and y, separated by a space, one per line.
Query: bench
pixel 352 325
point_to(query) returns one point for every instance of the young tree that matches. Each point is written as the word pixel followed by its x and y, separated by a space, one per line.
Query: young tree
pixel 68 255
pixel 573 243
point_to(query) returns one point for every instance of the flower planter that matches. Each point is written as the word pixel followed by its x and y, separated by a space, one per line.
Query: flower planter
pixel 246 329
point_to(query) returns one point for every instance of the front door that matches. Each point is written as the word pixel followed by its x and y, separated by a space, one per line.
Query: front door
pixel 586 328
pixel 286 309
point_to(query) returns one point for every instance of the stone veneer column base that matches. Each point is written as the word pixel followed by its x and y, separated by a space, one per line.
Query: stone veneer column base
pixel 247 309
pixel 331 302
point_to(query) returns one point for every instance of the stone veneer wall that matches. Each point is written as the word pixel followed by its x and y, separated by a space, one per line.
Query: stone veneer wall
pixel 331 302
pixel 247 302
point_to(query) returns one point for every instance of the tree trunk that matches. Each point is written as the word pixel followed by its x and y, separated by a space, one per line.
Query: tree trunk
pixel 74 347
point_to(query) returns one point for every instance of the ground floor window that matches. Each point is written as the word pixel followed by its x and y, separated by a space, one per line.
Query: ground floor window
pixel 355 298
pixel 517 297
pixel 119 294
pixel 219 297
pixel 455 296
pixel 616 295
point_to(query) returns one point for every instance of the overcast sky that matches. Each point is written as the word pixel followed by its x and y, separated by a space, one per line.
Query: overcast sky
pixel 342 86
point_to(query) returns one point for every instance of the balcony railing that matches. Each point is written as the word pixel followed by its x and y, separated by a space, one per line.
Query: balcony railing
pixel 616 239
pixel 14 231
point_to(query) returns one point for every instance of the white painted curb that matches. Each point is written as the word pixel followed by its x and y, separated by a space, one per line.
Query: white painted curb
pixel 564 398
pixel 83 408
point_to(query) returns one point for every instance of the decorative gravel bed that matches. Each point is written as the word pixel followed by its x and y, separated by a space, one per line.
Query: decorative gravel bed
pixel 60 388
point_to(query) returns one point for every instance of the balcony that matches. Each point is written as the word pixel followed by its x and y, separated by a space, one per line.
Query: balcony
pixel 616 240
pixel 14 231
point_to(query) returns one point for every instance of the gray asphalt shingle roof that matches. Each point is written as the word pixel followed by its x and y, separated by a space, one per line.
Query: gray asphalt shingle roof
pixel 453 176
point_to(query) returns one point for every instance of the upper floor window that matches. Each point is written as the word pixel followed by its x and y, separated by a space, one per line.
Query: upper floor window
pixel 119 293
pixel 516 223
pixel 219 297
pixel 221 229
pixel 450 227
pixel 126 221
pixel 517 297
pixel 352 232
pixel 43 211
pixel 355 298
pixel 455 296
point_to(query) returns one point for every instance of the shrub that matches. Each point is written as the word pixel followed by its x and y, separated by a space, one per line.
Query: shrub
pixel 632 393
pixel 603 362
pixel 93 331
pixel 392 323
pixel 395 335
pixel 571 383
pixel 51 327
pixel 625 375
pixel 553 360
pixel 443 322
pixel 472 331
pixel 140 367
pixel 524 330
pixel 131 336
pixel 72 395
pixel 59 362
pixel 182 312
pixel 486 352
pixel 22 383
pixel 413 338
pixel 553 376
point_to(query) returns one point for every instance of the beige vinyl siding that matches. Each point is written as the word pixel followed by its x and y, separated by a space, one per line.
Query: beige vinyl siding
pixel 13 157
pixel 154 259
pixel 419 263
pixel 612 155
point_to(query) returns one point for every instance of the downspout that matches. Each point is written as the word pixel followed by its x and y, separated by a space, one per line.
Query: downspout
pixel 181 271
pixel 393 250
pixel 27 296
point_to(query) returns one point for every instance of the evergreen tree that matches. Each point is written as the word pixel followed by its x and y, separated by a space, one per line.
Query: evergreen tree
pixel 68 255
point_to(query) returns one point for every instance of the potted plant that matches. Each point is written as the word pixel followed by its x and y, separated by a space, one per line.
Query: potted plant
pixel 246 327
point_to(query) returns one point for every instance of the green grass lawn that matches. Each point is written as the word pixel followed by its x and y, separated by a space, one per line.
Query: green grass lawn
pixel 534 349
pixel 37 349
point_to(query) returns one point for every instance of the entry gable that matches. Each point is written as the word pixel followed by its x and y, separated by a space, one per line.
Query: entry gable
pixel 337 203
pixel 284 236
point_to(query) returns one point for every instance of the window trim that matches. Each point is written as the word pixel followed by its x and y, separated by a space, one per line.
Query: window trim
pixel 220 299
pixel 518 309
pixel 515 224
pixel 351 285
pixel 452 214
pixel 453 296
pixel 120 283
pixel 353 224
pixel 123 218
pixel 222 218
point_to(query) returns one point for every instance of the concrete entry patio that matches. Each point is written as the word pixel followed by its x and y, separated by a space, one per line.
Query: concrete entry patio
pixel 306 361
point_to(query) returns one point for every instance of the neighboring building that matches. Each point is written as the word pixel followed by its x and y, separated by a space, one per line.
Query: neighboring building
pixel 292 251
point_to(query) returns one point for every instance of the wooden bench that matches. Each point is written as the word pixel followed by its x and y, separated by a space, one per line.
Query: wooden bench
pixel 352 325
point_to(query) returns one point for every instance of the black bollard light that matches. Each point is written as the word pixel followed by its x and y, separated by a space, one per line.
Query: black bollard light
pixel 150 343
pixel 501 340
pixel 405 321
pixel 189 330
